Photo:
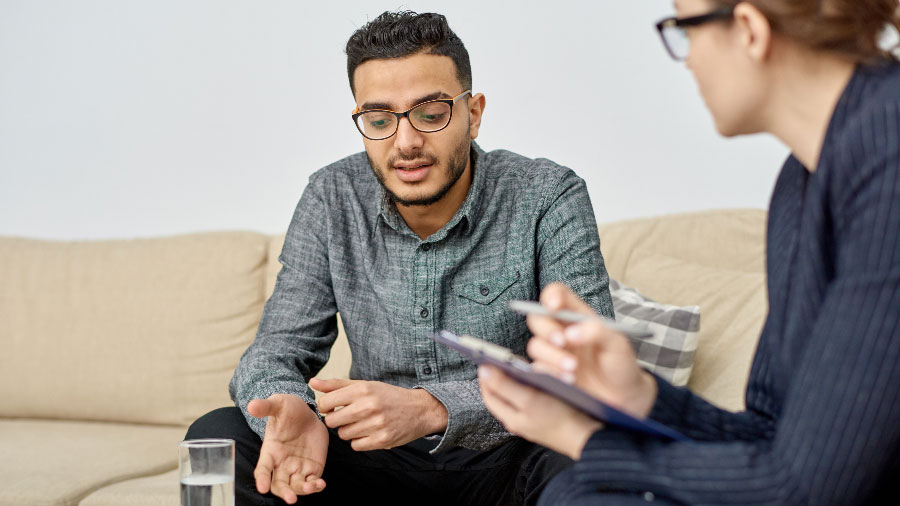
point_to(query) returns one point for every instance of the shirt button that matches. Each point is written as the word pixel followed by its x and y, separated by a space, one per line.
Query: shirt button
pixel 485 290
pixel 649 497
pixel 427 369
pixel 426 246
pixel 424 312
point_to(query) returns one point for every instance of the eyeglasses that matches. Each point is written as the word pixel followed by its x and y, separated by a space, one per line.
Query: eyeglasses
pixel 673 31
pixel 427 117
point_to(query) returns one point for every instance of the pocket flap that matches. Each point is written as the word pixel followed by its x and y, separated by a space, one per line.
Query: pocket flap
pixel 485 292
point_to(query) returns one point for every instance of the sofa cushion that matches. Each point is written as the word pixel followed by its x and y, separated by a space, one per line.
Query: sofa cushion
pixel 713 259
pixel 670 352
pixel 144 331
pixel 156 490
pixel 734 307
pixel 57 463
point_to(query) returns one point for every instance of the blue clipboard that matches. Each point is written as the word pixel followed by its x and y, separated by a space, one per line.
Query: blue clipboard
pixel 483 352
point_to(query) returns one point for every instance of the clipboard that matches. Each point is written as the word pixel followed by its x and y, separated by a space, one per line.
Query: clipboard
pixel 483 352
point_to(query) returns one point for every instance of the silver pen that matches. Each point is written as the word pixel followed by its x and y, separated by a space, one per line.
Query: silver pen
pixel 527 307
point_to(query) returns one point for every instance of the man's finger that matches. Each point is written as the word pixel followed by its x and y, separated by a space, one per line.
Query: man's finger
pixel 338 398
pixel 329 385
pixel 365 444
pixel 354 430
pixel 313 485
pixel 261 408
pixel 283 490
pixel 306 486
pixel 263 473
pixel 344 416
pixel 281 480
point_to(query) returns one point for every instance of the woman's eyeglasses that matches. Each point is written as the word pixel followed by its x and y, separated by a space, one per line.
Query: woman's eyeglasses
pixel 674 35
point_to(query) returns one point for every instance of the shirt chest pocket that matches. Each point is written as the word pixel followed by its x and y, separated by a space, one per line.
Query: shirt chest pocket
pixel 482 311
pixel 490 289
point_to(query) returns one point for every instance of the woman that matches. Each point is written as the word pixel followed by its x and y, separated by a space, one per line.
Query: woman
pixel 822 424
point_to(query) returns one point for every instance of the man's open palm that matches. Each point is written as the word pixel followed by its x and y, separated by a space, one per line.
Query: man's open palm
pixel 294 449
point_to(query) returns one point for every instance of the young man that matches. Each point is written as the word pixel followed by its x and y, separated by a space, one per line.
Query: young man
pixel 422 232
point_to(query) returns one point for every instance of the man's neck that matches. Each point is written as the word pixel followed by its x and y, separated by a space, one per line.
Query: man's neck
pixel 426 220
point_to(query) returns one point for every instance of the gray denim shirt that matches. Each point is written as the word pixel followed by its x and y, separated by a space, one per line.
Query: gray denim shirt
pixel 524 224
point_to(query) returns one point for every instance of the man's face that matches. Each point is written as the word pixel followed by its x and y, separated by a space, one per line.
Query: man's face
pixel 416 168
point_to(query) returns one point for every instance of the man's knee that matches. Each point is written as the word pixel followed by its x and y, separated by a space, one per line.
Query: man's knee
pixel 220 423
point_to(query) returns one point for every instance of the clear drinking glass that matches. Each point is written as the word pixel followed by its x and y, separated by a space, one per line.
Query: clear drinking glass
pixel 206 470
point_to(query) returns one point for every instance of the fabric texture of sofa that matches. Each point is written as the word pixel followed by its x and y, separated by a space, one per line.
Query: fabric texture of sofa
pixel 111 348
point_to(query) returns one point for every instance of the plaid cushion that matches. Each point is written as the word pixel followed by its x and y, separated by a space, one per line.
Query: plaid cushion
pixel 670 353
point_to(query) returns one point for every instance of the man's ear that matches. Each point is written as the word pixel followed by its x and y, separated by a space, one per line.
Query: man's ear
pixel 476 109
pixel 754 31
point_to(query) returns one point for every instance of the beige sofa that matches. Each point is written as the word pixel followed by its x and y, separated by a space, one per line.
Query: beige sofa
pixel 108 350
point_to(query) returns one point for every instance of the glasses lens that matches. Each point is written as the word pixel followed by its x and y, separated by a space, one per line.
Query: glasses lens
pixel 677 41
pixel 377 124
pixel 430 116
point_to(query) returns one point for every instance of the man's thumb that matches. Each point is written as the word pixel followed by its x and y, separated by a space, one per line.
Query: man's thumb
pixel 261 408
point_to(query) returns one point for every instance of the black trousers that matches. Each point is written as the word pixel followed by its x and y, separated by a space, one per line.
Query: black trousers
pixel 513 473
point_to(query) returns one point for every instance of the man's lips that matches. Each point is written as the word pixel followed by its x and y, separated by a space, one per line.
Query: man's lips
pixel 412 172
pixel 411 165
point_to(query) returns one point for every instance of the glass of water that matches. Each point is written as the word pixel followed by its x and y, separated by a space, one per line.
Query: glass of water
pixel 206 470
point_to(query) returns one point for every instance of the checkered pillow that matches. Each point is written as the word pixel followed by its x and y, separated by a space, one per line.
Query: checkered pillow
pixel 670 353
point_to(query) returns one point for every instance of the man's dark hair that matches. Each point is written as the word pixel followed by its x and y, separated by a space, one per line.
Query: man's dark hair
pixel 405 33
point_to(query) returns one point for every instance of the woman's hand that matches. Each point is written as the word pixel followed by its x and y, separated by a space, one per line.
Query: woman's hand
pixel 534 415
pixel 590 355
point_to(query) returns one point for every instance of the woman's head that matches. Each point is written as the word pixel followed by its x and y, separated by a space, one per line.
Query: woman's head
pixel 851 28
pixel 740 50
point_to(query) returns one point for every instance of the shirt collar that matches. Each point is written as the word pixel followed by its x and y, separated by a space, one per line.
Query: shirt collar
pixel 467 214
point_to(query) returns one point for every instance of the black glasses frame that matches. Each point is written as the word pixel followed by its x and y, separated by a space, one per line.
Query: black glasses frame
pixel 400 115
pixel 676 22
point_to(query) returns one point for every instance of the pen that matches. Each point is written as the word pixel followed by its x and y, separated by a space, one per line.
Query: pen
pixel 527 307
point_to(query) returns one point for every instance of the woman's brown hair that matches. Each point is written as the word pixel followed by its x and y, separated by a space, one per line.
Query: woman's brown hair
pixel 849 27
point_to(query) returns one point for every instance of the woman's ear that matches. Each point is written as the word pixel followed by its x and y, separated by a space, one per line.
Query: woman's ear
pixel 754 31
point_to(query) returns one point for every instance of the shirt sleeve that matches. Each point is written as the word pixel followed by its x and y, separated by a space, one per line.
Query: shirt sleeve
pixel 837 438
pixel 299 322
pixel 568 244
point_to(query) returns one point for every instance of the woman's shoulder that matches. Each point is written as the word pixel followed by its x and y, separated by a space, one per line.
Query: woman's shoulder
pixel 871 122
pixel 882 82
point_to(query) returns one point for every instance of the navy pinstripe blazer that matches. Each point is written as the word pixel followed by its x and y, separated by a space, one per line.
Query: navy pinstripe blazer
pixel 822 424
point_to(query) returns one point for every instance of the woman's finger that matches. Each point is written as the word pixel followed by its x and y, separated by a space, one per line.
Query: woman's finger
pixel 501 385
pixel 553 360
pixel 544 327
pixel 557 297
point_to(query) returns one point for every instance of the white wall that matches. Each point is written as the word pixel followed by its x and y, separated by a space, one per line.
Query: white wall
pixel 140 118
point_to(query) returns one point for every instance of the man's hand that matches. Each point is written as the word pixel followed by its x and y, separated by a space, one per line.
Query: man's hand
pixel 377 416
pixel 292 457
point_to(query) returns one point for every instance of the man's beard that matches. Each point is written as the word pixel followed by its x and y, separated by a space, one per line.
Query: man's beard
pixel 456 165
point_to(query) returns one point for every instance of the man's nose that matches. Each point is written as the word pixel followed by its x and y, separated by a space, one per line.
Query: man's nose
pixel 408 139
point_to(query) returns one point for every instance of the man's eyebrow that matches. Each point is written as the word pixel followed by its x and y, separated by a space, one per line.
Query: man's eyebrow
pixel 368 106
